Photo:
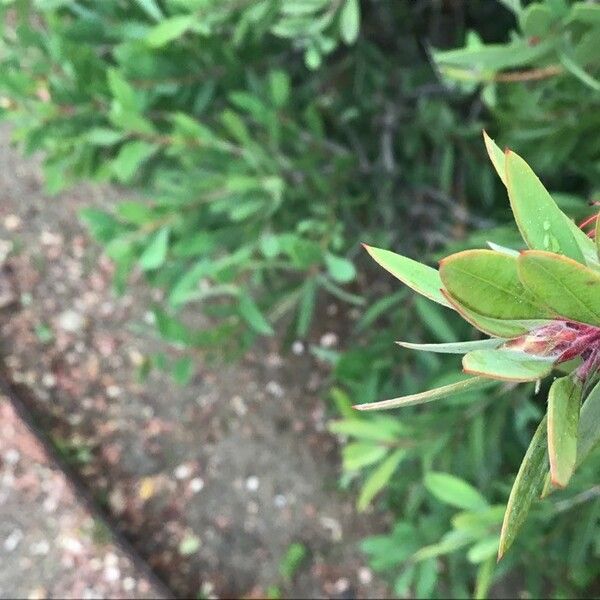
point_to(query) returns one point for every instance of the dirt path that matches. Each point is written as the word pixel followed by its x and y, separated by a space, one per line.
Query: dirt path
pixel 212 482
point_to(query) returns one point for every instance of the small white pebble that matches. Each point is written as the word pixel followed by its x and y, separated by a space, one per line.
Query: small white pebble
pixel 182 471
pixel 365 575
pixel 13 540
pixel 332 310
pixel 128 584
pixel 40 548
pixel 12 456
pixel 280 501
pixel 298 348
pixel 274 389
pixel 252 483
pixel 329 340
pixel 341 585
pixel 197 484
pixel 113 391
pixel 71 321
pixel 112 574
pixel 12 222
pixel 239 406
pixel 48 380
pixel 111 560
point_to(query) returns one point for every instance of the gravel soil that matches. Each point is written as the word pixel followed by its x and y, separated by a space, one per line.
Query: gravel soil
pixel 211 482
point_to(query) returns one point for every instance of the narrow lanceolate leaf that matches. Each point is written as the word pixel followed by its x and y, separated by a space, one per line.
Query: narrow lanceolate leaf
pixel 597 237
pixel 487 282
pixel 541 223
pixel 379 478
pixel 421 278
pixel 454 347
pixel 564 401
pixel 502 328
pixel 496 156
pixel 527 486
pixel 250 312
pixel 454 491
pixel 466 385
pixel 568 288
pixel 506 365
pixel 588 436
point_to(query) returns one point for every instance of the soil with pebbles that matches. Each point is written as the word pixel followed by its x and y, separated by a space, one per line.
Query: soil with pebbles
pixel 212 482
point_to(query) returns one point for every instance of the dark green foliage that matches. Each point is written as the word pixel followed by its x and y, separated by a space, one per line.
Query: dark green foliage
pixel 258 142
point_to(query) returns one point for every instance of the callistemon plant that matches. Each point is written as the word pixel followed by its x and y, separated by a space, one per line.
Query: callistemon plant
pixel 541 307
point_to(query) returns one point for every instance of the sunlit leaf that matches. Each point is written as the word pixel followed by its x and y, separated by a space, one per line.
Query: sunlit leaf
pixel 564 401
pixel 541 223
pixel 565 286
pixel 454 491
pixel 452 389
pixel 487 282
pixel 454 347
pixel 421 278
pixel 526 488
pixel 379 478
pixel 506 365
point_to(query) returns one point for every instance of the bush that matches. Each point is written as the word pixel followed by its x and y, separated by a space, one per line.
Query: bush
pixel 262 141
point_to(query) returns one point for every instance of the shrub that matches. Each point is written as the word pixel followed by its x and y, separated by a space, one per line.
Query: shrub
pixel 257 143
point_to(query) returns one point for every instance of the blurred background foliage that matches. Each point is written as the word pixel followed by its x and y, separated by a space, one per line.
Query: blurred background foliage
pixel 257 143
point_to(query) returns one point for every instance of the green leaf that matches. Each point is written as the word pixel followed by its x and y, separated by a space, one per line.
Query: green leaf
pixel 150 7
pixel 376 430
pixel 169 30
pixel 597 236
pixel 454 491
pixel 483 550
pixel 279 82
pixel 130 158
pixel 564 401
pixel 585 12
pixel 496 156
pixel 454 347
pixel 379 478
pixel 361 454
pixel 155 253
pixel 250 312
pixel 541 223
pixel 527 486
pixel 487 282
pixel 503 328
pixel 506 365
pixel 350 21
pixel 340 269
pixel 451 389
pixel 588 436
pixel 565 286
pixel 536 20
pixel 306 307
pixel 421 278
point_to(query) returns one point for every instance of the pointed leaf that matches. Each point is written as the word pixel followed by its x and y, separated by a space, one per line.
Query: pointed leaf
pixel 487 282
pixel 454 491
pixel 454 347
pixel 421 278
pixel 541 223
pixel 527 486
pixel 503 328
pixel 496 156
pixel 155 253
pixel 597 236
pixel 564 401
pixel 452 389
pixel 379 478
pixel 588 436
pixel 250 312
pixel 506 365
pixel 565 286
